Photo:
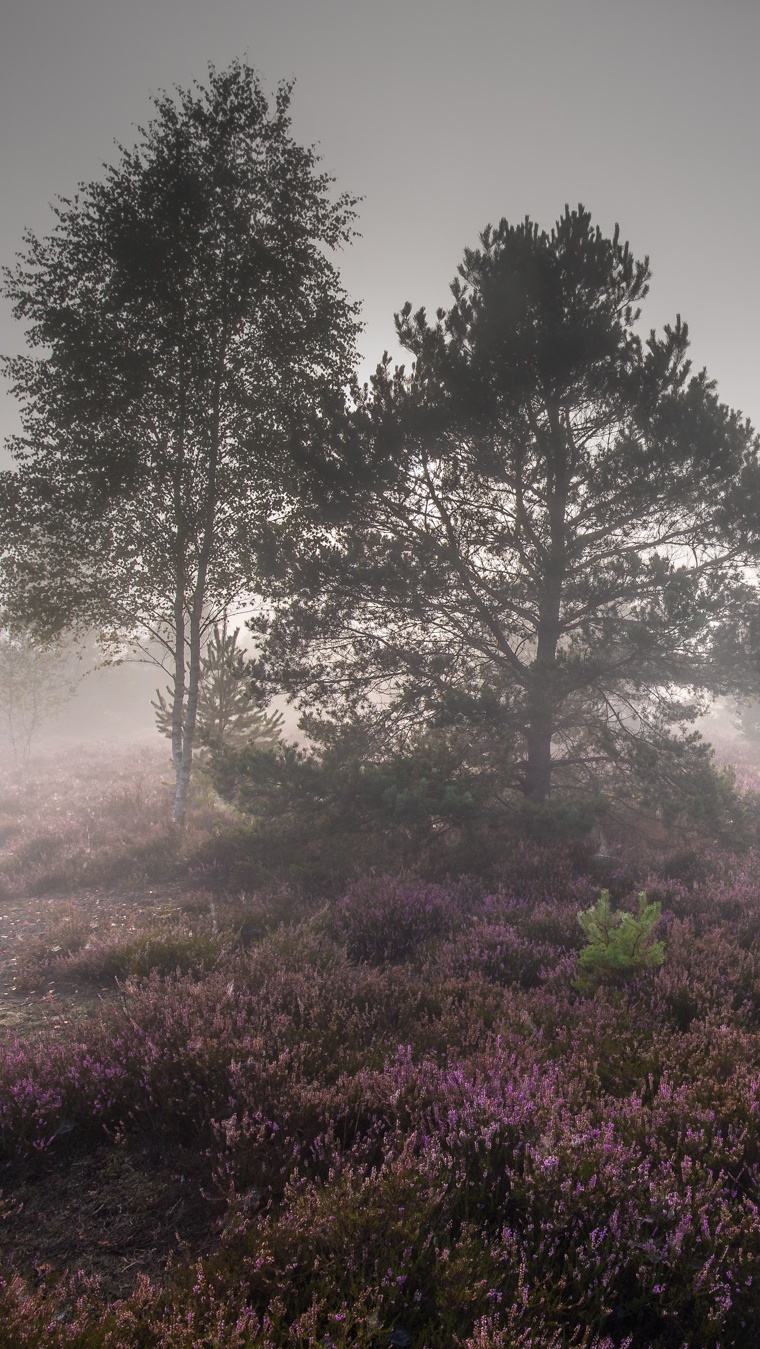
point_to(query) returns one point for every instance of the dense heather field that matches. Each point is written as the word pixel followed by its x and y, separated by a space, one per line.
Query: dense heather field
pixel 383 1117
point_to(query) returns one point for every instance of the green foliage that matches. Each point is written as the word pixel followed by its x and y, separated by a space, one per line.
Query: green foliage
pixel 673 779
pixel 345 805
pixel 619 944
pixel 559 820
pixel 439 805
pixel 228 712
pixel 184 317
pixel 546 524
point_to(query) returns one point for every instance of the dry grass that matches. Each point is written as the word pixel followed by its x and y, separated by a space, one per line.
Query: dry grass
pixel 92 815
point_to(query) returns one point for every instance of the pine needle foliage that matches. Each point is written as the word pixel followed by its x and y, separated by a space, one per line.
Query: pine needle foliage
pixel 228 713
pixel 619 943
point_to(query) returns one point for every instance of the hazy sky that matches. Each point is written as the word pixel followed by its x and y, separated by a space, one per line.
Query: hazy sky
pixel 445 115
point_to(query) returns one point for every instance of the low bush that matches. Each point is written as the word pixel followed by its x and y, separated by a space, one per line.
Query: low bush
pixel 390 918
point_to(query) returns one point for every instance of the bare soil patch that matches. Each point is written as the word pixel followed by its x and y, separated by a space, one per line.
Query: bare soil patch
pixel 122 1211
pixel 126 1208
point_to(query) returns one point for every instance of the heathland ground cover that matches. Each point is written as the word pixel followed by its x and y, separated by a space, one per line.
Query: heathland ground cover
pixel 266 1116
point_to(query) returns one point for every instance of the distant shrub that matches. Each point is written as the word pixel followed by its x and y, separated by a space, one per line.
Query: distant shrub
pixel 619 944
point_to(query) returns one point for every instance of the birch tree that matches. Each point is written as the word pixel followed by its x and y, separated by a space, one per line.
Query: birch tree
pixel 182 315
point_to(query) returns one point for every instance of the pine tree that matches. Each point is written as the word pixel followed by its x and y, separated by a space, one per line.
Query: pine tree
pixel 548 513
pixel 228 713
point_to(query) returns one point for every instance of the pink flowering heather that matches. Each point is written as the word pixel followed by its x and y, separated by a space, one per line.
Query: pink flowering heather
pixel 408 1117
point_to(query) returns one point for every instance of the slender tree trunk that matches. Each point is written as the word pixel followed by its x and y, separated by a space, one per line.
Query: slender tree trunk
pixel 544 692
pixel 178 702
pixel 180 562
pixel 537 779
pixel 185 767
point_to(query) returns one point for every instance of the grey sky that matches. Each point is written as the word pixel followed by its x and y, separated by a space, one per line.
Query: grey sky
pixel 444 116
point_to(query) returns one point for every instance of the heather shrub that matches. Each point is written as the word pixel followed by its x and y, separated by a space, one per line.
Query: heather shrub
pixel 248 917
pixel 536 872
pixel 708 973
pixel 689 866
pixel 495 952
pixel 85 958
pixel 390 918
pixel 551 923
pixel 511 1198
pixel 406 1117
pixel 161 953
pixel 449 1185
pixel 67 932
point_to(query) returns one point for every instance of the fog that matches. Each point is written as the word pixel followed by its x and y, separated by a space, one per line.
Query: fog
pixel 111 703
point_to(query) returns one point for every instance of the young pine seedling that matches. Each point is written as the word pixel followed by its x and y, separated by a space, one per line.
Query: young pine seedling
pixel 619 944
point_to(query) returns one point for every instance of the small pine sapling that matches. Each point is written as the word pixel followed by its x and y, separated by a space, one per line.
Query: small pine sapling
pixel 228 712
pixel 619 944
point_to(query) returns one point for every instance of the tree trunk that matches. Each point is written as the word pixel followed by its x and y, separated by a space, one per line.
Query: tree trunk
pixel 180 562
pixel 178 702
pixel 537 779
pixel 199 599
pixel 544 693
pixel 185 765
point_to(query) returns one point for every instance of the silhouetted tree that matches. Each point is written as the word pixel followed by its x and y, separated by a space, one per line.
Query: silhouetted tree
pixel 184 314
pixel 547 517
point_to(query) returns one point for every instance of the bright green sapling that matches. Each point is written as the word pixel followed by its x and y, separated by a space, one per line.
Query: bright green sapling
pixel 619 944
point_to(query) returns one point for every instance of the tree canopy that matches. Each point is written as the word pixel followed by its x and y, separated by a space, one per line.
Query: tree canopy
pixel 547 519
pixel 182 316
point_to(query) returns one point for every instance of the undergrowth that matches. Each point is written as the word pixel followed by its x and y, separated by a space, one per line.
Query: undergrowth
pixel 415 1120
